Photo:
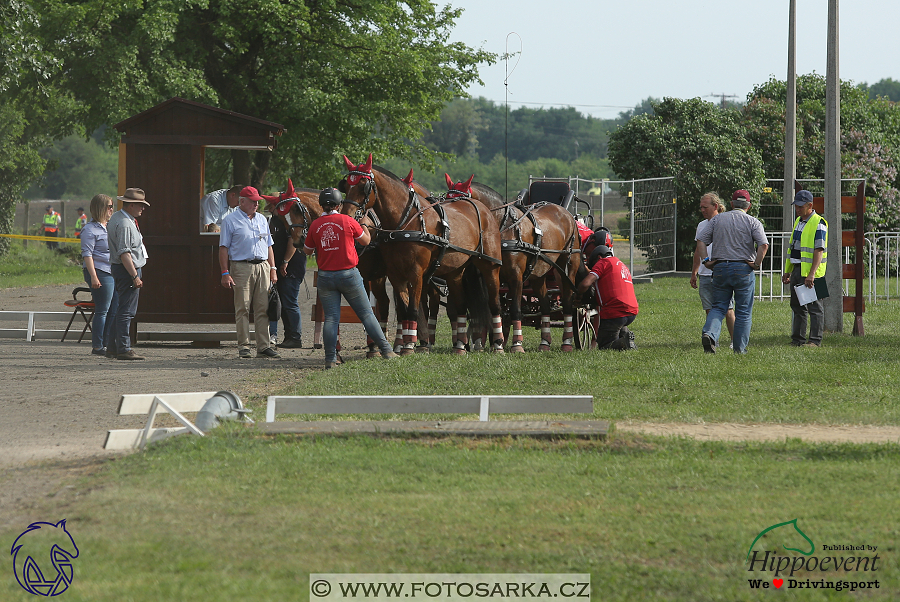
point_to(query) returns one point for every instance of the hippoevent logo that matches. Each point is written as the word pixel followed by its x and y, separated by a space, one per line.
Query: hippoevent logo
pixel 795 558
pixel 42 558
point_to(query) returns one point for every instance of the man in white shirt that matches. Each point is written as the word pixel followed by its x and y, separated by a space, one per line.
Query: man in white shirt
pixel 216 205
pixel 711 205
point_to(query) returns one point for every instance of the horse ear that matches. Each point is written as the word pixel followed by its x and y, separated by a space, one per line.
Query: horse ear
pixel 271 200
pixel 349 163
pixel 469 183
pixel 290 188
pixel 369 163
pixel 449 181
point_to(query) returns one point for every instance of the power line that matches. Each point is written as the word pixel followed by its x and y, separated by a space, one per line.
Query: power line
pixel 561 104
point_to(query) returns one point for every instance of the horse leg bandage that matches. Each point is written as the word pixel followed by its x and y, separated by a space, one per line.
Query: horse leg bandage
pixel 432 330
pixel 398 339
pixel 517 341
pixel 462 337
pixel 568 334
pixel 410 334
pixel 497 332
pixel 546 338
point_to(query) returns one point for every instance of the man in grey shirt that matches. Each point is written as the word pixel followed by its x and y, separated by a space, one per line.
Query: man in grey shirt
pixel 741 245
pixel 127 257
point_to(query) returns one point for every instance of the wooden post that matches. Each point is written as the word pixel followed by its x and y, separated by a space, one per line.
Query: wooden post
pixel 834 307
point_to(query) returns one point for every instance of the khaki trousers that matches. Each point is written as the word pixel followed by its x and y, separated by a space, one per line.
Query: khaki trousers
pixel 251 289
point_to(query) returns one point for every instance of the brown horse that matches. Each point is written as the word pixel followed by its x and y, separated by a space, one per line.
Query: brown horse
pixel 454 240
pixel 540 243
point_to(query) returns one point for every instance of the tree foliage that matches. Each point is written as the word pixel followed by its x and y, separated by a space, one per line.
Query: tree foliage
pixel 344 77
pixel 870 139
pixel 887 88
pixel 703 147
pixel 32 109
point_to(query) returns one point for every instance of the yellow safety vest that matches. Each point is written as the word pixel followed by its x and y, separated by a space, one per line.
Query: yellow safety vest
pixel 51 222
pixel 807 247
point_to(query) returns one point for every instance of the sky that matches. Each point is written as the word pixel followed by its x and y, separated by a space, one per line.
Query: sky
pixel 606 56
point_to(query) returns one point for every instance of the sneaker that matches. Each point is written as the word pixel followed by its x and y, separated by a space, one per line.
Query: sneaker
pixel 244 354
pixel 273 340
pixel 268 352
pixel 389 355
pixel 101 351
pixel 709 345
pixel 291 344
pixel 129 355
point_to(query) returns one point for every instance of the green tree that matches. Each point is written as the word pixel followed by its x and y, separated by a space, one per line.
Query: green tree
pixel 77 169
pixel 887 88
pixel 32 111
pixel 343 77
pixel 870 139
pixel 703 147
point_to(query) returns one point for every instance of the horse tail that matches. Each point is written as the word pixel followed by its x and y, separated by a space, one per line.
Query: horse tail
pixel 476 299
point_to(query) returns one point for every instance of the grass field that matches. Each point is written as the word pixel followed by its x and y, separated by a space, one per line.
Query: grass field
pixel 38 266
pixel 237 516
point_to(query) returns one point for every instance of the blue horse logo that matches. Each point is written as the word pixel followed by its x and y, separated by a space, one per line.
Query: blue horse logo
pixel 54 547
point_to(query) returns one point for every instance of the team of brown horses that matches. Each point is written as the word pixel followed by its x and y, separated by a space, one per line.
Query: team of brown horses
pixel 470 238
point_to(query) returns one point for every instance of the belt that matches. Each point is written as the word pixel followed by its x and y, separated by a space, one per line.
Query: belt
pixel 730 261
pixel 253 261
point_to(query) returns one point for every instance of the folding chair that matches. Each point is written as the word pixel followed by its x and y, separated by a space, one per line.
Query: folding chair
pixel 85 308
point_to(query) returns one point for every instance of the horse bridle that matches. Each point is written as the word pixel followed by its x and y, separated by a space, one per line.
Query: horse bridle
pixel 291 225
pixel 368 188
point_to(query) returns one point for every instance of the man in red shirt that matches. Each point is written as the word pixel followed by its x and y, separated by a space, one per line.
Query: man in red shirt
pixel 332 238
pixel 614 293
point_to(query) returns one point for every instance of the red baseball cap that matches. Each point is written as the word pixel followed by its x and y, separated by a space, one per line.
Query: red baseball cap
pixel 741 195
pixel 249 192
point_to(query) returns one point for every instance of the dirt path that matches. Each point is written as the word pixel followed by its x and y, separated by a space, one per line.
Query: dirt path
pixel 57 401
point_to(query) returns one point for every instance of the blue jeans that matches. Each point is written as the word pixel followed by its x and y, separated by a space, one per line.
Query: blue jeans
pixel 127 308
pixel 348 283
pixel 289 291
pixel 105 301
pixel 733 278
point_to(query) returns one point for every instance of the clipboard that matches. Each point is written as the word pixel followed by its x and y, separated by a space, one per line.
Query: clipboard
pixel 806 296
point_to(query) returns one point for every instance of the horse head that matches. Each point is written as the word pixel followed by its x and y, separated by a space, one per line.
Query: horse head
pixel 293 212
pixel 460 189
pixel 358 187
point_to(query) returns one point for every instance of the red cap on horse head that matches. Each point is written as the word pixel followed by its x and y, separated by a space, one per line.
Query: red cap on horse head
pixel 358 172
pixel 460 189
pixel 275 202
pixel 409 178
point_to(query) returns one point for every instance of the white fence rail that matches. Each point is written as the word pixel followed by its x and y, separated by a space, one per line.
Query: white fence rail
pixel 882 273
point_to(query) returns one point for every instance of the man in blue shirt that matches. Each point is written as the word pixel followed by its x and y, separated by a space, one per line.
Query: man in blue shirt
pixel 248 267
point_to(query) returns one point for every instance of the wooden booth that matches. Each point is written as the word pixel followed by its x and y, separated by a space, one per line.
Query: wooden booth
pixel 162 151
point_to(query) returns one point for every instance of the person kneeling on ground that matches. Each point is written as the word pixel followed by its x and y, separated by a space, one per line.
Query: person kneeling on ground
pixel 614 293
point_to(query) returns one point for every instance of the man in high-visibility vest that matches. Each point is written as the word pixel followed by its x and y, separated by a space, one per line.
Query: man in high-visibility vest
pixel 51 223
pixel 805 264
pixel 80 222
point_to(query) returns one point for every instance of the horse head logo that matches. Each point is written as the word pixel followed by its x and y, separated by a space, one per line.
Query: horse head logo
pixel 42 558
pixel 460 189
pixel 785 534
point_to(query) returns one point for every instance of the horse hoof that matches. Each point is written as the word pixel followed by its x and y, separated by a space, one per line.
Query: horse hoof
pixel 371 354
pixel 407 351
pixel 423 349
pixel 544 348
pixel 497 350
pixel 459 351
pixel 517 349
pixel 566 348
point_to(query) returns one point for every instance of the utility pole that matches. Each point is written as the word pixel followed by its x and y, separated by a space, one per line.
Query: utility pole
pixel 723 96
pixel 790 122
pixel 834 304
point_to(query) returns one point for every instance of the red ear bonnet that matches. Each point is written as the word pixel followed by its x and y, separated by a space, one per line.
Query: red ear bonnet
pixel 460 189
pixel 282 203
pixel 408 179
pixel 358 172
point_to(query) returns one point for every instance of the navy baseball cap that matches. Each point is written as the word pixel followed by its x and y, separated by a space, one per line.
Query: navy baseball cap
pixel 803 197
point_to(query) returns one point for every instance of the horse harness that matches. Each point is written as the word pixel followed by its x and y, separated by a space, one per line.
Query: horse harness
pixel 441 240
pixel 534 251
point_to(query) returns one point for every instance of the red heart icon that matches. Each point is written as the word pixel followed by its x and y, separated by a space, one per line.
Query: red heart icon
pixel 777 582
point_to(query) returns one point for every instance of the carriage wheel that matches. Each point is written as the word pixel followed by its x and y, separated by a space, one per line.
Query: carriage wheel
pixel 584 330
